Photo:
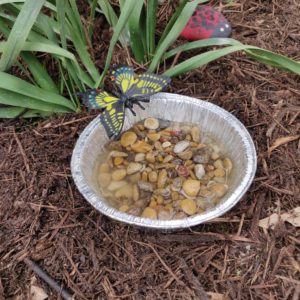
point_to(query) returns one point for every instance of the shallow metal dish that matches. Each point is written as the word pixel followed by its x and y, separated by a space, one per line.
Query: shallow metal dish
pixel 213 120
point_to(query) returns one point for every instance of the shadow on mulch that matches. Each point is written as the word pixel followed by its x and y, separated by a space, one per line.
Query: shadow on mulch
pixel 43 216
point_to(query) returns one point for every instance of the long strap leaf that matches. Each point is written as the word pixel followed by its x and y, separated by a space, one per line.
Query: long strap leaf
pixel 19 32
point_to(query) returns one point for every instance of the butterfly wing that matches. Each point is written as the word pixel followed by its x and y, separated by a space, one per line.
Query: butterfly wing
pixel 123 76
pixel 97 99
pixel 112 119
pixel 148 84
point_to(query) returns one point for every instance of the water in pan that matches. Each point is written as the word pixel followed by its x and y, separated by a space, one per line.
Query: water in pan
pixel 163 170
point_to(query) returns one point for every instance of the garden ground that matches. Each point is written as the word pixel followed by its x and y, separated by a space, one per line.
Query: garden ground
pixel 43 216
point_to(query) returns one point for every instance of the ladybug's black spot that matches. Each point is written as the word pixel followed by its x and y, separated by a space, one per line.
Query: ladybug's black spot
pixel 195 20
pixel 194 13
pixel 200 8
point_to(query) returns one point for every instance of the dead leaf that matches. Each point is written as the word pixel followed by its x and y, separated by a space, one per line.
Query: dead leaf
pixel 216 296
pixel 292 217
pixel 283 140
pixel 37 293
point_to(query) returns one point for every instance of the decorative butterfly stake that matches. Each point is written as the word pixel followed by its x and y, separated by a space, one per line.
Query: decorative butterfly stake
pixel 133 90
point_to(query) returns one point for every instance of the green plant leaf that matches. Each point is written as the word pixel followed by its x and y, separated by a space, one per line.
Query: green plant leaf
pixel 19 32
pixel 26 90
pixel 174 32
pixel 125 14
pixel 137 40
pixel 201 44
pixel 10 112
pixel 151 11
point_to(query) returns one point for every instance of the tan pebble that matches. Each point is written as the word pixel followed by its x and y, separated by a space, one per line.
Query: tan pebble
pixel 144 176
pixel 179 216
pixel 174 196
pixel 150 157
pixel 149 213
pixel 185 155
pixel 118 160
pixel 104 168
pixel 194 145
pixel 195 133
pixel 189 163
pixel 140 203
pixel 164 214
pixel 215 155
pixel 125 191
pixel 104 179
pixel 191 187
pixel 134 178
pixel 139 157
pixel 117 154
pixel 168 158
pixel 153 136
pixel 141 147
pixel 135 211
pixel 160 199
pixel 166 144
pixel 152 176
pixel 199 171
pixel 153 204
pixel 162 179
pixel 211 174
pixel 124 208
pixel 219 179
pixel 181 146
pixel 227 163
pixel 128 138
pixel 218 163
pixel 188 206
pixel 141 127
pixel 192 175
pixel 115 185
pixel 219 189
pixel 219 172
pixel 188 137
pixel 151 123
pixel 133 167
pixel 157 145
pixel 118 174
pixel 210 167
pixel 135 192
pixel 160 158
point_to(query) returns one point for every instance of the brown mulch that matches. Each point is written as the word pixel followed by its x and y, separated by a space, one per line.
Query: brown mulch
pixel 43 217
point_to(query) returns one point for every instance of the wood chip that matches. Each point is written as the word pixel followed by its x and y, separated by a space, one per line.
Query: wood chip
pixel 282 141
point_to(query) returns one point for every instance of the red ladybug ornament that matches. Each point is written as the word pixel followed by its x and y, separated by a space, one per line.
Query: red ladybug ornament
pixel 206 22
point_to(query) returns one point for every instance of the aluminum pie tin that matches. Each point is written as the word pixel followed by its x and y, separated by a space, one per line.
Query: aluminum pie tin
pixel 226 130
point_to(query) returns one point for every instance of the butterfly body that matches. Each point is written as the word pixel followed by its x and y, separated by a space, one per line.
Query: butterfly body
pixel 132 90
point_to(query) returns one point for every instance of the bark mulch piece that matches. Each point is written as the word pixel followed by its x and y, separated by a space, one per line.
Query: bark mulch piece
pixel 44 219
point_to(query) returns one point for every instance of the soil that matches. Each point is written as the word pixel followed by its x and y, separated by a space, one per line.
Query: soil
pixel 45 219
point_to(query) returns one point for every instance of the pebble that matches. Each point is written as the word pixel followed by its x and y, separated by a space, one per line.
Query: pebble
pixel 227 163
pixel 153 136
pixel 149 213
pixel 104 179
pixel 133 167
pixel 139 157
pixel 124 208
pixel 182 171
pixel 164 214
pixel 176 184
pixel 191 187
pixel 145 186
pixel 152 176
pixel 134 178
pixel 151 123
pixel 181 146
pixel 188 206
pixel 199 171
pixel 141 147
pixel 219 189
pixel 162 179
pixel 218 164
pixel 195 133
pixel 150 157
pixel 117 154
pixel 125 191
pixel 119 174
pixel 135 192
pixel 128 138
pixel 118 160
pixel 166 144
pixel 219 172
pixel 185 155
pixel 115 185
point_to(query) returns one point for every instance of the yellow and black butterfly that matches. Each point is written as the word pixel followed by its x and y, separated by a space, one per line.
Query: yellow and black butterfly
pixel 133 90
